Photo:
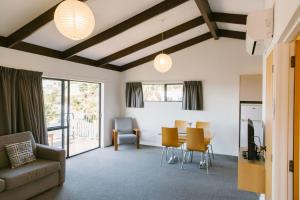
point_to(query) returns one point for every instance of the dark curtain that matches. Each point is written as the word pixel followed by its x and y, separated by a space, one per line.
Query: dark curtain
pixel 22 103
pixel 134 95
pixel 192 95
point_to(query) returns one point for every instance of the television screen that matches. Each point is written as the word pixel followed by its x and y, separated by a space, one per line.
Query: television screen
pixel 251 144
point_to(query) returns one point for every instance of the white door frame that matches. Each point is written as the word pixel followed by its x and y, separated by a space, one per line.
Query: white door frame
pixel 282 152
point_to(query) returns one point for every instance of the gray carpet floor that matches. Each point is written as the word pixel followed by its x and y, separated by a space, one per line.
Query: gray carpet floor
pixel 131 174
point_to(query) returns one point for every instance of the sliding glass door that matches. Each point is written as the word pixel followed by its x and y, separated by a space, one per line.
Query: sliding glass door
pixel 84 117
pixel 72 112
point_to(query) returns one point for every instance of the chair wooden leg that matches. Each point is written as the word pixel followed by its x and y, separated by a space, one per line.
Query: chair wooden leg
pixel 116 141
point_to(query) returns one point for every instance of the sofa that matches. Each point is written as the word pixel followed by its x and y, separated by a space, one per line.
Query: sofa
pixel 47 171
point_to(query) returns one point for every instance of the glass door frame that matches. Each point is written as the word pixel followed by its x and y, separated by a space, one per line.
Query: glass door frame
pixel 62 127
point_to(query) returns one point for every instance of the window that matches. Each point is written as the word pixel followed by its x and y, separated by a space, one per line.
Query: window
pixel 53 100
pixel 162 92
pixel 174 92
pixel 154 92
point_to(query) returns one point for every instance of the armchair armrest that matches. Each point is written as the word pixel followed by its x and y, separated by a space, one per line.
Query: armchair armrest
pixel 2 185
pixel 115 138
pixel 54 154
pixel 136 131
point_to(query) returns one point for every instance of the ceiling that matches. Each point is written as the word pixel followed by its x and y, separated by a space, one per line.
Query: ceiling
pixel 108 13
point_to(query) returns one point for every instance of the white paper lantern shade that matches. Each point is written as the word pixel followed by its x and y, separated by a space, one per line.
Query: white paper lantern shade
pixel 162 62
pixel 74 19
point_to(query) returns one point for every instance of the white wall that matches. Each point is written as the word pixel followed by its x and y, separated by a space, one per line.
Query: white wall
pixel 67 70
pixel 218 63
pixel 251 87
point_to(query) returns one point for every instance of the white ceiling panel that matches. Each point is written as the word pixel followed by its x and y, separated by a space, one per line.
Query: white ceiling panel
pixel 172 18
pixel 162 45
pixel 16 13
pixel 107 14
pixel 236 6
pixel 232 27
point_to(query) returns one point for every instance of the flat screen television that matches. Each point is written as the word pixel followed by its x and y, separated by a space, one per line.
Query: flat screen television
pixel 252 154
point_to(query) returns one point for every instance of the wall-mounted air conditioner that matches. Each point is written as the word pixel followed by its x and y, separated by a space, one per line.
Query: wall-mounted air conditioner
pixel 259 31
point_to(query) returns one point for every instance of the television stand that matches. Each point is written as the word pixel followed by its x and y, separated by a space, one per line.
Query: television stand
pixel 251 174
pixel 245 155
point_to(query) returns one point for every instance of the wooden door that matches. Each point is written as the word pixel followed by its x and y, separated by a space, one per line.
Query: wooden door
pixel 296 121
pixel 268 125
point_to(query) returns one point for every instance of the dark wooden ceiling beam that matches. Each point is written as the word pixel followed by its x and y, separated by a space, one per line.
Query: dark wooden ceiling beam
pixel 169 50
pixel 206 13
pixel 44 51
pixel 152 40
pixel 2 41
pixel 218 17
pixel 229 18
pixel 123 26
pixel 87 61
pixel 36 49
pixel 29 28
pixel 232 34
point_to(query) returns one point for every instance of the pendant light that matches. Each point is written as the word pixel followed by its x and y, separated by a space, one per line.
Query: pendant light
pixel 74 19
pixel 162 62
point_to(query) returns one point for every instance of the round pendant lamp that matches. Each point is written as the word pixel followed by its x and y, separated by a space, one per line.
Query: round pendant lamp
pixel 74 19
pixel 162 62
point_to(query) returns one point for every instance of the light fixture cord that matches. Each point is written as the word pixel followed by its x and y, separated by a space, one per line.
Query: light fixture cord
pixel 162 39
pixel 162 33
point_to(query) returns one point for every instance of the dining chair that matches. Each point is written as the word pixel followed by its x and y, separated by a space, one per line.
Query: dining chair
pixel 170 141
pixel 207 133
pixel 180 124
pixel 195 142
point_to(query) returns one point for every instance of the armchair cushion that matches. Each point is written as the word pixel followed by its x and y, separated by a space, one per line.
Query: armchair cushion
pixel 27 173
pixel 126 139
pixel 124 125
pixel 125 132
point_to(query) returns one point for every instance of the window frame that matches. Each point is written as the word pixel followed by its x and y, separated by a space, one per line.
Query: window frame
pixel 166 91
pixel 165 86
pixel 154 84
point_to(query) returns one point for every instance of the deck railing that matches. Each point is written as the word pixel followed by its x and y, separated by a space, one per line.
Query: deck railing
pixel 84 125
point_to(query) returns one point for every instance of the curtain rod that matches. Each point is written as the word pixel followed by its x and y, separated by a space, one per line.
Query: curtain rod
pixel 162 81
